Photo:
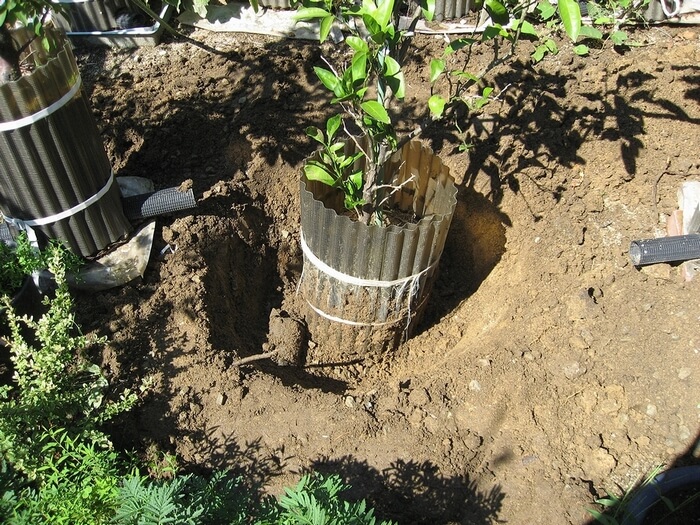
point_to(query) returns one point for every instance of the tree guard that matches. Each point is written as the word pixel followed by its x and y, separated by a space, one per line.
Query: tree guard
pixel 56 177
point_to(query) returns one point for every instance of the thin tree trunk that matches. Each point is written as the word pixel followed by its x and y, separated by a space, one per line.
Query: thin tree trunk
pixel 9 57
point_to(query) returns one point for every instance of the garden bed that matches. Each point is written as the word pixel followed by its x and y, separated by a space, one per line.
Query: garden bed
pixel 547 367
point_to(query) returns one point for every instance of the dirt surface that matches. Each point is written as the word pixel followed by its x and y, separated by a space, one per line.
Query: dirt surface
pixel 547 369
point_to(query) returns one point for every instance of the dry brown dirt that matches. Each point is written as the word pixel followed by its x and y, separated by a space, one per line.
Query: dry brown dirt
pixel 547 369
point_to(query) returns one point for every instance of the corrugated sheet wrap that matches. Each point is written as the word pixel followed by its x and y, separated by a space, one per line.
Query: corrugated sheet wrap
pixel 91 15
pixel 448 9
pixel 451 9
pixel 56 161
pixel 401 260
pixel 276 4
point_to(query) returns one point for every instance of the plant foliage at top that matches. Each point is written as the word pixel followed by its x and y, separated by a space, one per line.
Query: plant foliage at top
pixel 368 84
pixel 31 15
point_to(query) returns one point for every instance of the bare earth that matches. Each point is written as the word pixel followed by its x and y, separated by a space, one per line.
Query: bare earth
pixel 547 369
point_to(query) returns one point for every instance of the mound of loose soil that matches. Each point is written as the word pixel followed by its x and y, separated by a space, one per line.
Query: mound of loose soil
pixel 547 368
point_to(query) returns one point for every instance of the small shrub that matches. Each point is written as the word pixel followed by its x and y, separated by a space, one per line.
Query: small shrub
pixel 59 467
pixel 21 259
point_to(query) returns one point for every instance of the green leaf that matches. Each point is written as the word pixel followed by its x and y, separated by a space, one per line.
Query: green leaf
pixel 382 15
pixel 591 32
pixel 360 93
pixel 391 66
pixel 375 110
pixel 357 44
pixel 526 28
pixel 350 202
pixel 491 32
pixel 365 6
pixel 345 98
pixel 375 30
pixel 310 13
pixel 570 14
pixel 330 80
pixel 332 126
pixel 466 75
pixel 335 148
pixel 437 105
pixel 547 9
pixel 394 77
pixel 356 179
pixel 345 162
pixel 539 53
pixel 437 66
pixel 358 68
pixel 325 29
pixel 618 38
pixel 317 172
pixel 428 7
pixel 484 99
pixel 497 11
pixel 316 134
pixel 352 159
pixel 398 85
pixel 581 50
pixel 458 44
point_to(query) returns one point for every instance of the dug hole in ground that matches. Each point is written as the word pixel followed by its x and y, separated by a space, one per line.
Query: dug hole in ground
pixel 547 367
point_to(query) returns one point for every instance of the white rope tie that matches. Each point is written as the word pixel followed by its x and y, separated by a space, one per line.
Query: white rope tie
pixel 41 114
pixel 24 225
pixel 412 281
pixel 344 321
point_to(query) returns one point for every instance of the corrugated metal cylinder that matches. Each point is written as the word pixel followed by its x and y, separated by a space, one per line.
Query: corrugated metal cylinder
pixel 450 9
pixel 55 160
pixel 91 15
pixel 276 4
pixel 348 316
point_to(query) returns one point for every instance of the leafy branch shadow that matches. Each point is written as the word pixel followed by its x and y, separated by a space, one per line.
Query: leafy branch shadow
pixel 416 492
pixel 535 132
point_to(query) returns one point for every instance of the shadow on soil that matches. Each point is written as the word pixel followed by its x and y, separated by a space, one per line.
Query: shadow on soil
pixel 409 492
pixel 521 150
pixel 536 135
pixel 225 110
pixel 474 246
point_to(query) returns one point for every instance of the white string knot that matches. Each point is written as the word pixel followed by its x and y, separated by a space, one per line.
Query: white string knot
pixel 27 225
pixel 412 283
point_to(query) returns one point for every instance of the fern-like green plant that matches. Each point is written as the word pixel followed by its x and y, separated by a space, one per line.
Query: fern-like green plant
pixel 79 483
pixel 184 499
pixel 317 500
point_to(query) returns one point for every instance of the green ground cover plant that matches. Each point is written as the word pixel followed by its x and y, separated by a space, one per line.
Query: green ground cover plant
pixel 58 465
